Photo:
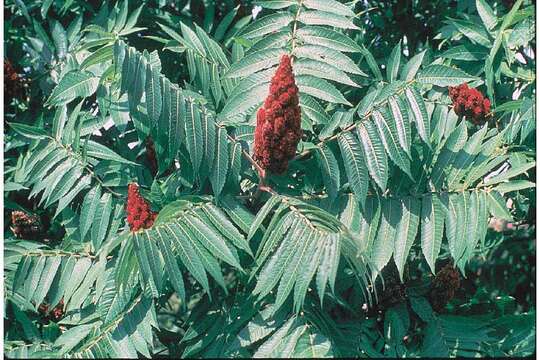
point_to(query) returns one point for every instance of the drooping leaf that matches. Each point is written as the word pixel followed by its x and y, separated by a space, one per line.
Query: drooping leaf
pixel 442 75
pixel 406 231
pixel 355 166
pixel 73 85
pixel 432 224
pixel 376 158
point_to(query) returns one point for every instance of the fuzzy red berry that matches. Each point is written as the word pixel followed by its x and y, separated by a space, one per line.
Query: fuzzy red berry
pixel 470 103
pixel 278 129
pixel 139 214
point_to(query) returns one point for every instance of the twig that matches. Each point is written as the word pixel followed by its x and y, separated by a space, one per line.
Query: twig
pixel 354 125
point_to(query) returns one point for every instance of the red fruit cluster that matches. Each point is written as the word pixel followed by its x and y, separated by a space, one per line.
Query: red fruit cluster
pixel 13 83
pixel 139 215
pixel 25 226
pixel 55 314
pixel 278 128
pixel 443 287
pixel 470 103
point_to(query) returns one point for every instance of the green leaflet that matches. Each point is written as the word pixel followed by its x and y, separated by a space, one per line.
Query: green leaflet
pixel 28 131
pixel 194 137
pixel 401 120
pixel 319 35
pixel 419 111
pixel 72 86
pixel 267 24
pixel 213 242
pixel 497 206
pixel 383 245
pixel 254 62
pixel 389 136
pixel 209 141
pixel 376 158
pixel 330 169
pixel 355 166
pixel 153 93
pixel 171 265
pixel 406 231
pixel 323 70
pixel 329 56
pixel 369 223
pixel 313 110
pixel 315 17
pixel 274 268
pixel 392 67
pixel 432 223
pixel 88 210
pixel 457 219
pixel 442 75
pixel 100 220
pixel 320 89
pixel 221 162
pixel 465 52
pixel 292 268
pixel 486 14
pixel 332 6
pixel 100 151
pixel 408 72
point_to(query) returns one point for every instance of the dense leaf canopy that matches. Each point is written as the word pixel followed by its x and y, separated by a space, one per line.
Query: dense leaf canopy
pixel 392 190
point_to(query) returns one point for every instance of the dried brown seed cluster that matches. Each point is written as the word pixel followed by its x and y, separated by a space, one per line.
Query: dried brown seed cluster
pixel 393 293
pixel 54 314
pixel 25 226
pixel 443 287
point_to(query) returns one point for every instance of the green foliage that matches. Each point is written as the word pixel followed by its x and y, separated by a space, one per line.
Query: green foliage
pixel 332 259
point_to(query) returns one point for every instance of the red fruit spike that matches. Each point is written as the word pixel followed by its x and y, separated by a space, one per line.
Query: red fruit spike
pixel 279 116
pixel 138 210
pixel 469 102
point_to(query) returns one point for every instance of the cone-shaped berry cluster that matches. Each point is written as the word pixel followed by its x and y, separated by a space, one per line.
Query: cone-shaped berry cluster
pixel 278 128
pixel 470 103
pixel 25 226
pixel 139 215
pixel 443 287
pixel 54 314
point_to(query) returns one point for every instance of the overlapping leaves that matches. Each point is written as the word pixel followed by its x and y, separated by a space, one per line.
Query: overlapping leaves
pixel 176 119
pixel 302 242
pixel 195 233
pixel 311 32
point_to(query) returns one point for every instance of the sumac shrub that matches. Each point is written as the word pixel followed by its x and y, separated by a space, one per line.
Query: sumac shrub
pixel 210 179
